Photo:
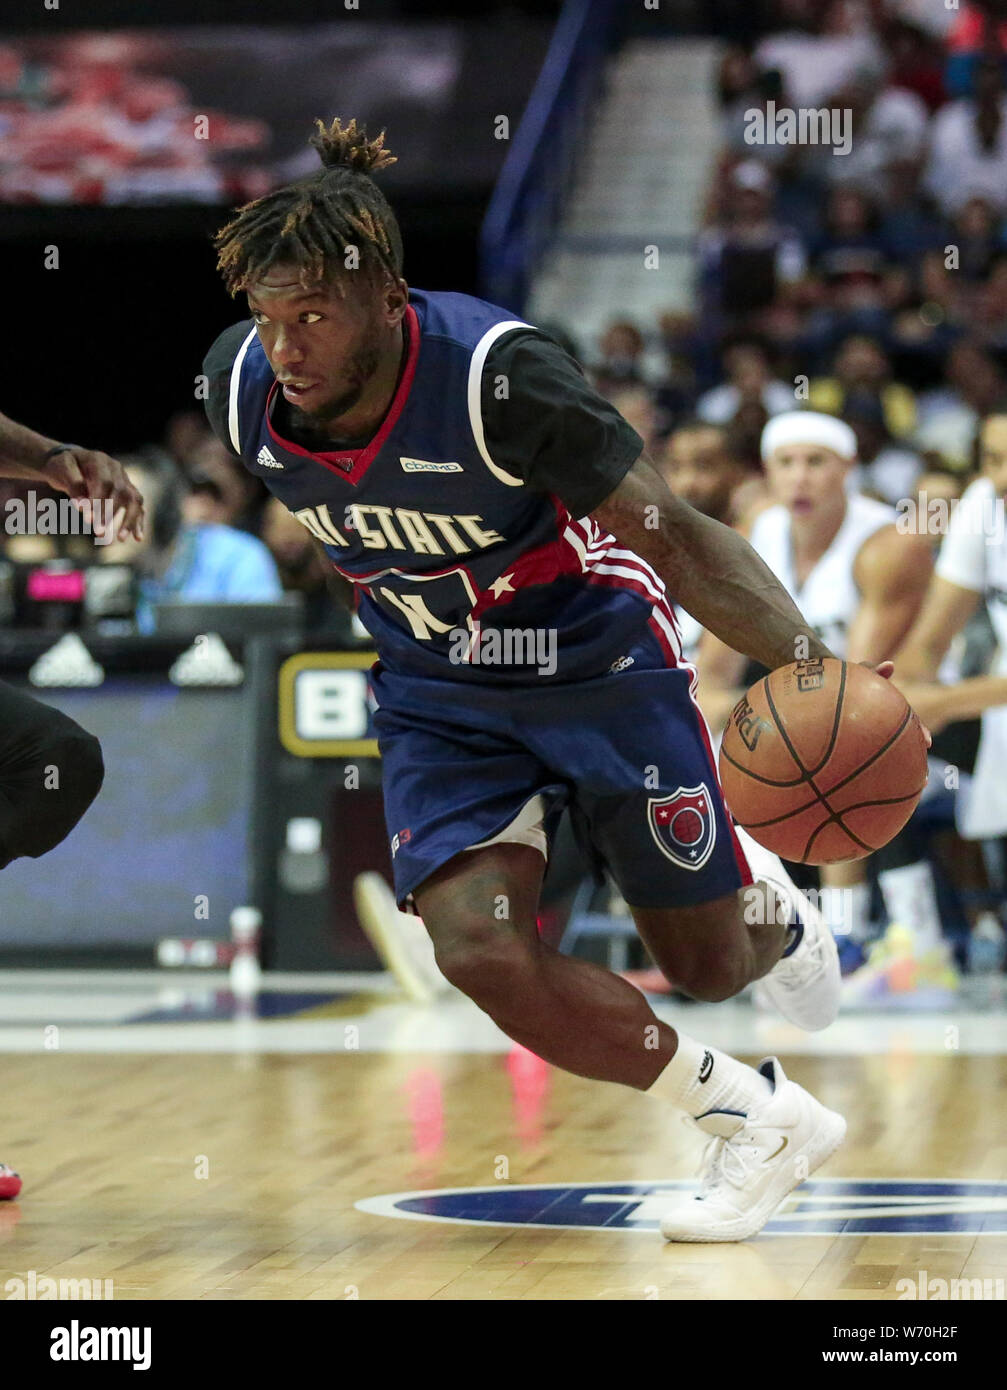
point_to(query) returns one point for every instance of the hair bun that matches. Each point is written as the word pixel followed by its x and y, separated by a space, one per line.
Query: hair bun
pixel 349 148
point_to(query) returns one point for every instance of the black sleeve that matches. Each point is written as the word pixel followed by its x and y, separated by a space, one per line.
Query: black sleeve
pixel 545 423
pixel 217 366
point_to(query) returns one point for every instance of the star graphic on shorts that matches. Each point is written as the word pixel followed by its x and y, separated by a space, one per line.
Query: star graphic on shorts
pixel 664 813
pixel 502 585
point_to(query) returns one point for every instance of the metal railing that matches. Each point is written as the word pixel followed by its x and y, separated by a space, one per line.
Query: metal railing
pixel 525 207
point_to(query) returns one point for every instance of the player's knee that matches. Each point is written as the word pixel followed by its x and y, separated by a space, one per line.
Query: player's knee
pixel 479 959
pixel 712 978
pixel 75 758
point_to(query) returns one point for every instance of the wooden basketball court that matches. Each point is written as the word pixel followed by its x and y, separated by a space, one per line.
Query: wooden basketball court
pixel 183 1163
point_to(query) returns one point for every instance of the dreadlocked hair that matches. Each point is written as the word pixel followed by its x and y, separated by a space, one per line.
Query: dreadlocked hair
pixel 314 222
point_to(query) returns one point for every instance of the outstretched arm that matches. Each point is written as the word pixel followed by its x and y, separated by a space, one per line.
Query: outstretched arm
pixel 709 569
pixel 85 475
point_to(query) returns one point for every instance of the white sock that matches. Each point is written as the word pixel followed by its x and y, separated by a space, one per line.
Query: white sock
pixel 700 1078
pixel 911 900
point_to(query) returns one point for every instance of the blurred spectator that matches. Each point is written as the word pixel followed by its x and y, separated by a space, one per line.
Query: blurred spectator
pixel 204 501
pixel 935 21
pixel 862 368
pixel 621 361
pixel 978 234
pixel 749 378
pixel 749 257
pixel 698 464
pixel 938 481
pixel 885 469
pixel 968 145
pixel 916 60
pixel 816 64
pixel 888 126
pixel 737 77
pixel 988 314
pixel 744 435
pixel 241 496
pixel 978 33
pixel 850 258
pixel 302 568
pixel 636 405
pixel 949 416
pixel 181 559
pixel 765 91
pixel 185 431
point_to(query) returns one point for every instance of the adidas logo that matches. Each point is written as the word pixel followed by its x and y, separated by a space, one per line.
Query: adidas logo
pixel 67 663
pixel 206 662
pixel 424 466
pixel 621 664
pixel 705 1068
pixel 266 459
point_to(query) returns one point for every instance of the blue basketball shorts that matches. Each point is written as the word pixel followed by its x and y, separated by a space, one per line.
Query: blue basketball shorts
pixel 628 752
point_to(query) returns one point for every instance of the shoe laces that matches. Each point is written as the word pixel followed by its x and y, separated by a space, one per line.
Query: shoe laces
pixel 726 1161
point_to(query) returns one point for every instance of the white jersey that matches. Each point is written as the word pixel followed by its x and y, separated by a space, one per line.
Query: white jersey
pixel 974 556
pixel 829 597
pixel 690 632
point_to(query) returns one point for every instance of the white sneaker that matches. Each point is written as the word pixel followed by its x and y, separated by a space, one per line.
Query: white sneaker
pixel 753 1161
pixel 806 986
pixel 898 976
pixel 399 939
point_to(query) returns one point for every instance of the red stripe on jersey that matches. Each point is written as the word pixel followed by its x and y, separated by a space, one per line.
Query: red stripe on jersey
pixel 662 641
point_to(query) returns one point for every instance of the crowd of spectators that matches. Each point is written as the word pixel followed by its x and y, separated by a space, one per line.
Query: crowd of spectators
pixel 867 276
pixel 213 534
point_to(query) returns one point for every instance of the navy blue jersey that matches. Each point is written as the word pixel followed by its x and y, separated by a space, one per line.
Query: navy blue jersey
pixel 464 569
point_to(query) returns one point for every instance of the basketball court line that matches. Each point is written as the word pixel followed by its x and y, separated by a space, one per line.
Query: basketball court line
pixel 98 1012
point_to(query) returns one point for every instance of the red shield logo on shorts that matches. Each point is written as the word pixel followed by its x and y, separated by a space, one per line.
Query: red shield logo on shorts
pixel 684 826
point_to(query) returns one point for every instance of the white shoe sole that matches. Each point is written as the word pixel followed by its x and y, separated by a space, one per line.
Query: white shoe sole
pixel 378 915
pixel 820 1145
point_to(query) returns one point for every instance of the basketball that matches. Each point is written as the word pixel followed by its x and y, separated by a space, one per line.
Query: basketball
pixel 823 761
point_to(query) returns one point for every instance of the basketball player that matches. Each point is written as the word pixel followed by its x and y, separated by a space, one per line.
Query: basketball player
pixel 699 465
pixel 37 811
pixel 971 568
pixel 859 581
pixel 511 549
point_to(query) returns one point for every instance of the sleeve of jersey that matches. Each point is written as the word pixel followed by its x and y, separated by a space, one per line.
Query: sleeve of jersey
pixel 962 560
pixel 217 366
pixel 544 423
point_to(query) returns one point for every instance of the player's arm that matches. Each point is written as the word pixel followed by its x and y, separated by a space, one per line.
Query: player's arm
pixel 712 571
pixel 938 705
pixel 946 609
pixel 891 572
pixel 85 475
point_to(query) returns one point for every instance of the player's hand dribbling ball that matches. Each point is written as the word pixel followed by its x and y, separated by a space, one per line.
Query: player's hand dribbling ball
pixel 823 761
